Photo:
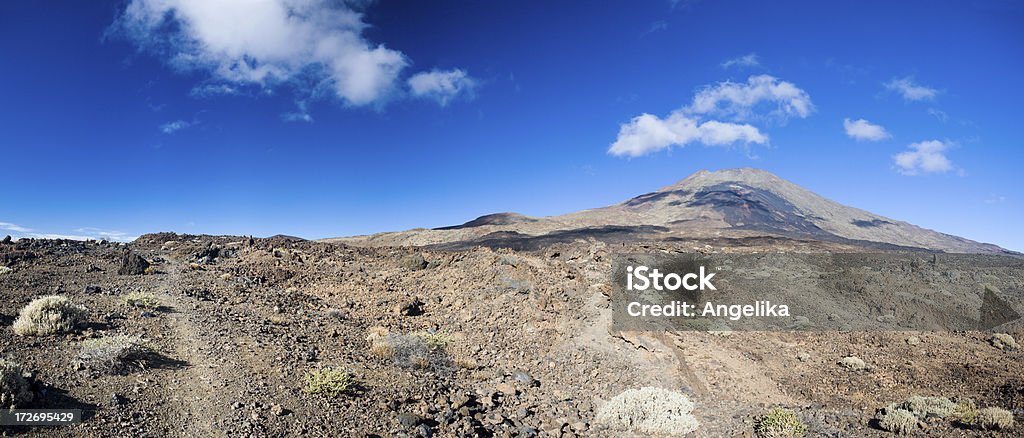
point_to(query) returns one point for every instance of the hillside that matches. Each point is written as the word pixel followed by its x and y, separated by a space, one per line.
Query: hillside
pixel 734 203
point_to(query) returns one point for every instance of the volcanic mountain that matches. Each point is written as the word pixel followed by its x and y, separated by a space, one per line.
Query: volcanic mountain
pixel 704 207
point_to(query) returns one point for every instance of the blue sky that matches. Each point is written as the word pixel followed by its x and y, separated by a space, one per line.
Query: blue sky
pixel 315 119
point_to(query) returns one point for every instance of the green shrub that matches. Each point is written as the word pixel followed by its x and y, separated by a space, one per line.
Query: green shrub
pixel 49 315
pixel 780 423
pixel 331 382
pixel 142 300
pixel 14 389
pixel 434 340
pixel 112 354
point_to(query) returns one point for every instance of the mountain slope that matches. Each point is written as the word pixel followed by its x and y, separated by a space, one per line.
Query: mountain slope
pixel 725 203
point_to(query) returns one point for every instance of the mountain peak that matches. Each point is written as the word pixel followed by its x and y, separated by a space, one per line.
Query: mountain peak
pixel 744 175
pixel 733 203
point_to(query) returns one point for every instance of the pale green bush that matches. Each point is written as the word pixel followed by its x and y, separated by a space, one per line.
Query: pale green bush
pixel 112 354
pixel 650 411
pixel 14 389
pixel 49 315
pixel 780 423
pixel 331 382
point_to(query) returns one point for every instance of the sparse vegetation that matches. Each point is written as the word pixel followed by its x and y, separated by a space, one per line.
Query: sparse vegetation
pixel 1003 341
pixel 434 340
pixel 925 407
pixel 853 363
pixel 337 314
pixel 650 411
pixel 780 423
pixel 142 300
pixel 112 354
pixel 419 350
pixel 4 270
pixel 414 262
pixel 14 389
pixel 898 421
pixel 508 260
pixel 331 382
pixel 966 411
pixel 49 315
pixel 907 416
pixel 993 419
pixel 382 350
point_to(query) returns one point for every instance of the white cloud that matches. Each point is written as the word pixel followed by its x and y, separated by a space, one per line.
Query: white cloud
pixel 748 60
pixel 911 90
pixel 995 199
pixel 210 90
pixel 647 133
pixel 175 126
pixel 924 157
pixel 300 115
pixel 114 235
pixel 442 85
pixel 938 114
pixel 861 129
pixel 87 233
pixel 266 43
pixel 13 227
pixel 656 26
pixel 740 99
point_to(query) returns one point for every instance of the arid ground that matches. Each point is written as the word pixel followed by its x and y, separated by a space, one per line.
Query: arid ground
pixel 480 342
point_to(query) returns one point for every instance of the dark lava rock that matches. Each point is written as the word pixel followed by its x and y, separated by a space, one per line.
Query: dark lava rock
pixel 117 400
pixel 409 307
pixel 408 421
pixel 414 262
pixel 92 289
pixel 132 264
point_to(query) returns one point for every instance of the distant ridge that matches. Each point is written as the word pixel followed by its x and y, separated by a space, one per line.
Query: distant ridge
pixel 730 203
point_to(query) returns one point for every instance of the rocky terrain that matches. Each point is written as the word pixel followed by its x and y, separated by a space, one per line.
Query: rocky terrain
pixel 477 342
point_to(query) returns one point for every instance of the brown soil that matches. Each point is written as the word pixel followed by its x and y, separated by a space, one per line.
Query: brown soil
pixel 529 351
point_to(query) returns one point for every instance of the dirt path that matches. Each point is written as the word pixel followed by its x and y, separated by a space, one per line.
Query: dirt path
pixel 192 391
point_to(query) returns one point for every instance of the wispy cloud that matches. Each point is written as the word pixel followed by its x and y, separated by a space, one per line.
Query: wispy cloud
pixel 114 235
pixel 924 157
pixel 748 60
pixel 300 42
pixel 995 199
pixel 911 90
pixel 14 227
pixel 211 90
pixel 442 85
pixel 938 114
pixel 175 126
pixel 656 26
pixel 861 129
pixel 86 233
pixel 300 115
